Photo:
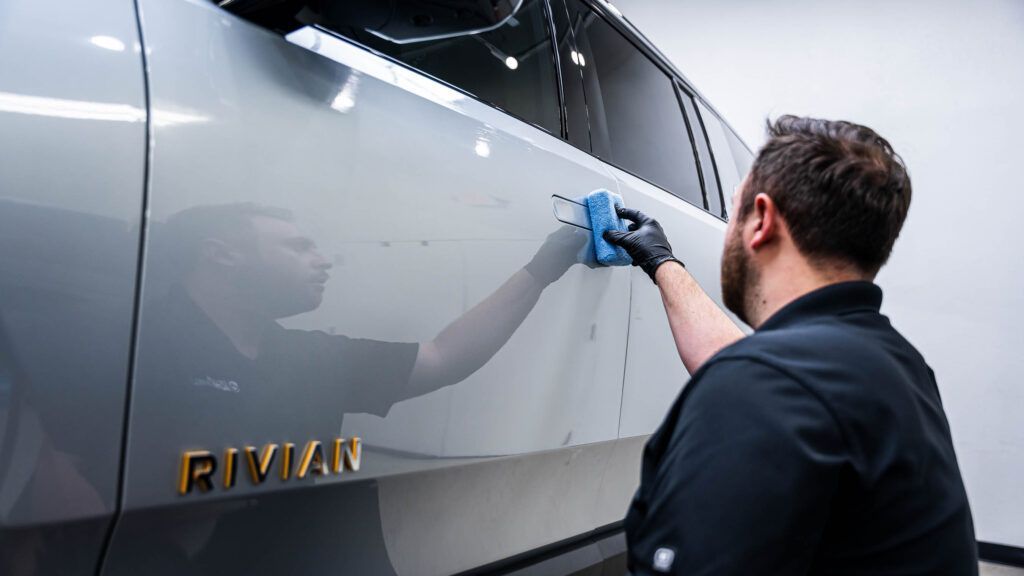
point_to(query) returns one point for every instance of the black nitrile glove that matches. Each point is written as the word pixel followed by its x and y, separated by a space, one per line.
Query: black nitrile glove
pixel 645 242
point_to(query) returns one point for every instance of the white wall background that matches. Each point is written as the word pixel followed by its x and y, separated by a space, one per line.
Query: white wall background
pixel 944 82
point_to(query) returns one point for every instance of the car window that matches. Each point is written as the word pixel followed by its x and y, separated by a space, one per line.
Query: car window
pixel 636 121
pixel 732 167
pixel 712 186
pixel 511 67
pixel 740 154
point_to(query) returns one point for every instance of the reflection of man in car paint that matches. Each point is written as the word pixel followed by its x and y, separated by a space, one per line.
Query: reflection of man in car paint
pixel 253 265
pixel 217 369
pixel 239 268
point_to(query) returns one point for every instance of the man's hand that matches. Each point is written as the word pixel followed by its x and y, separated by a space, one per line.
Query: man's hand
pixel 558 253
pixel 645 242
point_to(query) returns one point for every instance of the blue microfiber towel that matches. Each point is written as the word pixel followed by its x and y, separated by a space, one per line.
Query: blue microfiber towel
pixel 601 205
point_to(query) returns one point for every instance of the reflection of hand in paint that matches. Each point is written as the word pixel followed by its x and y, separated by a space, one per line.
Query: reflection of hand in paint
pixel 560 250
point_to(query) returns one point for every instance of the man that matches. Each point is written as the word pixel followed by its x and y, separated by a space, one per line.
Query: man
pixel 818 444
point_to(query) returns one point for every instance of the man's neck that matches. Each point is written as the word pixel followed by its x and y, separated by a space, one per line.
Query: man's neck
pixel 781 284
pixel 241 326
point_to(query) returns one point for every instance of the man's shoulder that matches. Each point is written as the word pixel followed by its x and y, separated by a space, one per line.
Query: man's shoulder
pixel 798 337
pixel 318 343
pixel 747 375
pixel 301 338
pixel 854 369
pixel 737 394
pixel 739 376
pixel 834 345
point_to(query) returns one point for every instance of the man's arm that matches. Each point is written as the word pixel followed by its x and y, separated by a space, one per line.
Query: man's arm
pixel 472 339
pixel 699 327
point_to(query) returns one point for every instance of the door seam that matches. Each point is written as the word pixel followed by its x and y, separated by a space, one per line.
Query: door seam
pixel 137 294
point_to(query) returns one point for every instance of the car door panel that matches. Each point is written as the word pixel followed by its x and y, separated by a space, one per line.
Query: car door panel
pixel 426 203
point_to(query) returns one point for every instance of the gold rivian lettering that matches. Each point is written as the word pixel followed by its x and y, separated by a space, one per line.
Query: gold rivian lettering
pixel 312 460
pixel 260 466
pixel 286 460
pixel 348 458
pixel 230 465
pixel 197 468
pixel 336 455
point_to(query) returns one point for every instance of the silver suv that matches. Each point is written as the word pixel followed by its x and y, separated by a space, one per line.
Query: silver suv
pixel 282 289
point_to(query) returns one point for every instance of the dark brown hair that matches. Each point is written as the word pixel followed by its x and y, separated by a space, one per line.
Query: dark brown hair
pixel 186 231
pixel 841 189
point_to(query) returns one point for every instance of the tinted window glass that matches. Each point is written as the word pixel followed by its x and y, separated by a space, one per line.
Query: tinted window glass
pixel 511 67
pixel 707 164
pixel 635 118
pixel 731 168
pixel 740 154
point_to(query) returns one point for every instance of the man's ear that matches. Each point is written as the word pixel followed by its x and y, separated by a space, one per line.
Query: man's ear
pixel 220 252
pixel 765 218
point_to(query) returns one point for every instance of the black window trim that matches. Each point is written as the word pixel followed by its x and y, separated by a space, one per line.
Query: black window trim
pixel 711 152
pixel 563 112
pixel 560 4
pixel 693 144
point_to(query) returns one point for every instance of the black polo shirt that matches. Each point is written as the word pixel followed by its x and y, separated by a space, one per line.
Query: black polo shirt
pixel 817 445
pixel 197 389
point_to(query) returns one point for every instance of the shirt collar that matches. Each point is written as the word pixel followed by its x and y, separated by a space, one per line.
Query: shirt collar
pixel 832 300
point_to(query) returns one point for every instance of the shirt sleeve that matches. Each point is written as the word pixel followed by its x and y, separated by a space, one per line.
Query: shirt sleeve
pixel 746 480
pixel 356 374
pixel 378 373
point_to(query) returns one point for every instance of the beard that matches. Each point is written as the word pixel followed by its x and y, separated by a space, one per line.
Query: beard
pixel 738 277
pixel 274 293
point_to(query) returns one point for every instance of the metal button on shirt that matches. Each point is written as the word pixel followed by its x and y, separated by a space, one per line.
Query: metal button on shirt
pixel 817 445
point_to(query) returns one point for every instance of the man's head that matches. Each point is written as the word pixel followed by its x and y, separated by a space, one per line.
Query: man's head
pixel 253 254
pixel 823 197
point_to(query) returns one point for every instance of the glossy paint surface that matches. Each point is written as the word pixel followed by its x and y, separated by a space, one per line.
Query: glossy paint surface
pixel 341 246
pixel 71 181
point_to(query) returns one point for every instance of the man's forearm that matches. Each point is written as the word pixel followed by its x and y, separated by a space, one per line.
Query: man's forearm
pixel 472 339
pixel 699 327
